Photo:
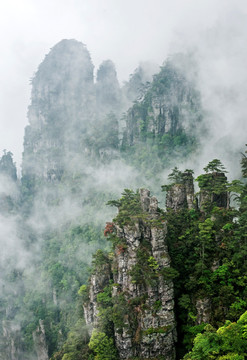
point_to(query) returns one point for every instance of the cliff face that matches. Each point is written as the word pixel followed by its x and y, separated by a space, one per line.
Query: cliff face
pixel 98 281
pixel 66 110
pixel 40 344
pixel 142 290
pixel 62 102
pixel 170 105
pixel 108 92
pixel 74 125
pixel 73 117
pixel 182 195
pixel 11 342
pixel 136 281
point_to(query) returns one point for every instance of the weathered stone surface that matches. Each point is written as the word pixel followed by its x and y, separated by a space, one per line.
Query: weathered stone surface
pixel 108 94
pixel 182 195
pixel 40 344
pixel 176 197
pixel 12 343
pixel 189 189
pixel 152 333
pixel 98 281
pixel 62 101
pixel 172 107
pixel 203 307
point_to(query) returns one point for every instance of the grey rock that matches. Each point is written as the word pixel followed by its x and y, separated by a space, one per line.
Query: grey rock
pixel 182 195
pixel 39 340
pixel 203 307
pixel 153 332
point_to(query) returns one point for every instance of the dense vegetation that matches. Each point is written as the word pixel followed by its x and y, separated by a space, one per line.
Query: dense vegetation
pixel 207 248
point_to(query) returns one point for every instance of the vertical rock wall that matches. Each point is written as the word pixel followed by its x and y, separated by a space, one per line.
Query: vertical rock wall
pixel 40 343
pixel 170 106
pixel 182 195
pixel 140 273
pixel 11 342
pixel 99 279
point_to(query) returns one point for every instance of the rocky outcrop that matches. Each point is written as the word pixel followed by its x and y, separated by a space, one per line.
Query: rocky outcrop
pixel 169 106
pixel 7 166
pixel 98 280
pixel 108 95
pixel 62 102
pixel 182 195
pixel 67 115
pixel 11 347
pixel 220 198
pixel 142 292
pixel 40 344
pixel 203 308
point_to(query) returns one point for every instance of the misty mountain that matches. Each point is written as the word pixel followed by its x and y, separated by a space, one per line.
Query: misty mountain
pixel 87 140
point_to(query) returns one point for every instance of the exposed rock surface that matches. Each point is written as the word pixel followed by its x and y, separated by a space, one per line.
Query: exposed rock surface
pixel 203 307
pixel 62 102
pixel 99 279
pixel 108 93
pixel 182 195
pixel 40 344
pixel 148 329
pixel 171 105
pixel 68 110
pixel 11 341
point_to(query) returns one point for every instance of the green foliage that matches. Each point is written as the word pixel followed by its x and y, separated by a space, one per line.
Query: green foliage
pixel 159 330
pixel 205 250
pixel 119 311
pixel 228 342
pixel 104 298
pixel 102 346
pixel 153 263
pixel 100 259
pixel 212 183
pixel 76 345
pixel 157 306
pixel 146 270
pixel 215 166
pixel 84 293
pixel 154 150
pixel 169 273
pixel 129 207
pixel 177 177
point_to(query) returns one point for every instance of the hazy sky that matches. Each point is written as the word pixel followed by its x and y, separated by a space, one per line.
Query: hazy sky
pixel 126 31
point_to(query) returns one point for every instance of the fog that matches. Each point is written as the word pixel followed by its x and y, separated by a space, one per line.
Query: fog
pixel 221 57
pixel 127 32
